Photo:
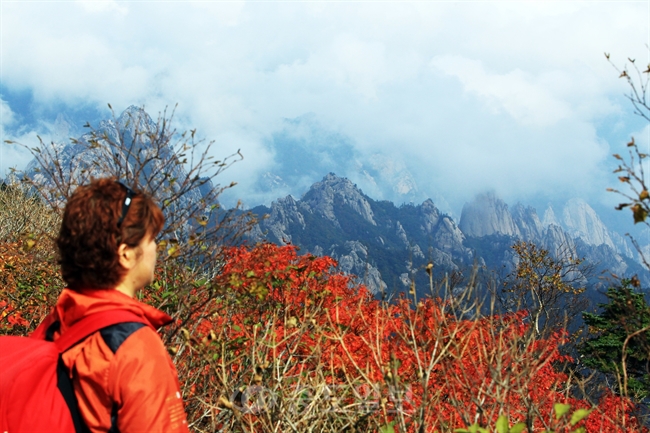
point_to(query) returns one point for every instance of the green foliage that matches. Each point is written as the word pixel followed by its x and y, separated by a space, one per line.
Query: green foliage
pixel 624 322
pixel 561 411
pixel 388 428
pixel 502 426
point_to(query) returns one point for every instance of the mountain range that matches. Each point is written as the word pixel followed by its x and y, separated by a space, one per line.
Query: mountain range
pixel 387 246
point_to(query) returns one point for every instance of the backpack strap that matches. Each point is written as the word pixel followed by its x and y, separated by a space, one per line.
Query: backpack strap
pixel 75 334
pixel 93 323
pixel 64 383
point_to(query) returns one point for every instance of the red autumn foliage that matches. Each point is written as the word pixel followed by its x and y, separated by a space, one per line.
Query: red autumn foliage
pixel 285 325
pixel 282 342
pixel 29 285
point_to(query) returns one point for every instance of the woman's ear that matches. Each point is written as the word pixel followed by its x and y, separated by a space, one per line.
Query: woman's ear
pixel 126 256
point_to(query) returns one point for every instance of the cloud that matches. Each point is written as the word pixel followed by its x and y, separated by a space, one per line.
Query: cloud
pixel 515 92
pixel 225 13
pixel 6 114
pixel 512 96
pixel 99 6
pixel 15 156
pixel 16 140
pixel 11 155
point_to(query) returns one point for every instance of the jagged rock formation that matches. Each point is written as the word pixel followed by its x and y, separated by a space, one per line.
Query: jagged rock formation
pixel 373 239
pixel 137 151
pixel 354 260
pixel 282 216
pixel 333 190
pixel 581 221
pixel 271 182
pixel 387 245
pixel 580 233
pixel 527 222
pixel 557 241
pixel 550 218
pixel 622 245
pixel 487 215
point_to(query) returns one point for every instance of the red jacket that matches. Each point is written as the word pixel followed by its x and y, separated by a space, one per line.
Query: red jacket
pixel 139 378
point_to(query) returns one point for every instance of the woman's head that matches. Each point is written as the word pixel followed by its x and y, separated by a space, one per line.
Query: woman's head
pixel 98 218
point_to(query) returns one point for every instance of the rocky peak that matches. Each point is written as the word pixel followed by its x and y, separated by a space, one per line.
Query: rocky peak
pixel 430 216
pixel 622 244
pixel 450 238
pixel 558 243
pixel 581 221
pixel 284 211
pixel 131 122
pixel 550 218
pixel 353 259
pixel 270 182
pixel 63 128
pixel 114 148
pixel 485 215
pixel 135 117
pixel 322 196
pixel 401 233
pixel 527 221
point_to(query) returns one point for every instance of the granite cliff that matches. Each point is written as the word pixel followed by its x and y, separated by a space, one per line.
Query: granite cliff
pixel 382 244
pixel 388 246
pixel 578 233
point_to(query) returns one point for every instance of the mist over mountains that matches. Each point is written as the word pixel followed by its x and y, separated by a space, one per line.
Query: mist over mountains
pixel 304 150
pixel 130 154
pixel 386 245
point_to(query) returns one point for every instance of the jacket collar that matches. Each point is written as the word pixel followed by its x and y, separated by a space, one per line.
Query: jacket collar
pixel 72 305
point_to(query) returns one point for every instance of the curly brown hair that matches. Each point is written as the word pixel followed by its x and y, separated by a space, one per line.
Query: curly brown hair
pixel 90 235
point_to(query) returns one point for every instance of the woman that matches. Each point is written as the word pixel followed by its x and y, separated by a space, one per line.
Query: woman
pixel 123 378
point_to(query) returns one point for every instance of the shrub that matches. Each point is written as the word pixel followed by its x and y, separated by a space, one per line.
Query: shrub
pixel 29 276
pixel 291 345
pixel 29 285
pixel 268 341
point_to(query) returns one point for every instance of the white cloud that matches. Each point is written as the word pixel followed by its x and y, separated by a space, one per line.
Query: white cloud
pixel 14 143
pixel 6 114
pixel 98 6
pixel 225 13
pixel 516 98
pixel 10 154
pixel 516 92
pixel 14 156
pixel 13 153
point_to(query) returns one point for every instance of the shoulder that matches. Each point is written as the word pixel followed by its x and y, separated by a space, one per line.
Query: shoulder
pixel 115 335
pixel 139 343
pixel 144 385
pixel 141 366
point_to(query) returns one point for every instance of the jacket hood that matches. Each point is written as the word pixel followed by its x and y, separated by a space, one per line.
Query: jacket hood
pixel 72 305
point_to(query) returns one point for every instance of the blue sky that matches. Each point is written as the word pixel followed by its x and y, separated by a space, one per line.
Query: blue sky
pixel 448 98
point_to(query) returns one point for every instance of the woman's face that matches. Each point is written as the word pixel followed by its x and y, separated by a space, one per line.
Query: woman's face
pixel 143 272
